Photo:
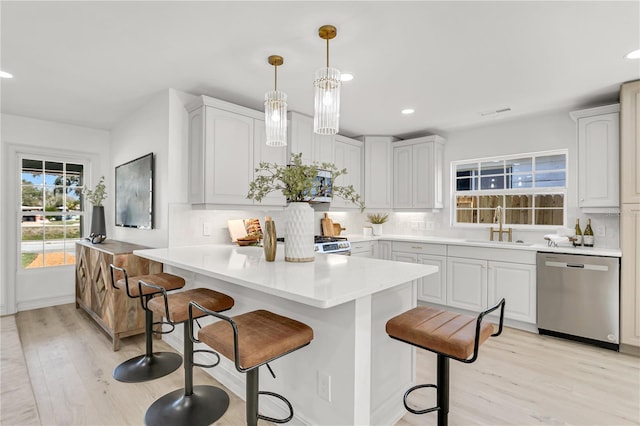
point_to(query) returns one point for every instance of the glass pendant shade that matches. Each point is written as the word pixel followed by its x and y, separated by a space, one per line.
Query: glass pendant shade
pixel 327 101
pixel 275 117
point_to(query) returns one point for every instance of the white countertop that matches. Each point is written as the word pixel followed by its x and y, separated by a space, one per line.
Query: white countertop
pixel 593 251
pixel 328 281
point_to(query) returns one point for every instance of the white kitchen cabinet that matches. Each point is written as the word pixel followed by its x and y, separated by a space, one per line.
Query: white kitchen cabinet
pixel 418 173
pixel 270 154
pixel 432 288
pixel 384 250
pixel 598 157
pixel 516 283
pixel 364 249
pixel 348 155
pixel 477 279
pixel 378 167
pixel 221 152
pixel 467 283
pixel 226 144
pixel 302 139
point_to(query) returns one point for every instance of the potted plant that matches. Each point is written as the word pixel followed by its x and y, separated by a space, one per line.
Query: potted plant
pixel 377 219
pixel 98 225
pixel 298 184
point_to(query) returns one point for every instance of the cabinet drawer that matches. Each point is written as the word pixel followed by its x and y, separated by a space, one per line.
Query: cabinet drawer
pixel 420 248
pixel 497 254
pixel 361 247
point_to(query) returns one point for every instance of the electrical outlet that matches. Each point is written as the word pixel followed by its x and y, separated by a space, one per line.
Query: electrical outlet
pixel 324 386
pixel 206 229
pixel 601 231
pixel 430 225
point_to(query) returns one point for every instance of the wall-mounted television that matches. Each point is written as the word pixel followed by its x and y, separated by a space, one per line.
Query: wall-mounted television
pixel 134 193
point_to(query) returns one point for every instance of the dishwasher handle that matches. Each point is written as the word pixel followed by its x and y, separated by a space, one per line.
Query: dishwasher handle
pixel 576 266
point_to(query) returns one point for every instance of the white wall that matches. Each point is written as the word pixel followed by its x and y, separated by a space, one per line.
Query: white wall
pixel 27 289
pixel 160 126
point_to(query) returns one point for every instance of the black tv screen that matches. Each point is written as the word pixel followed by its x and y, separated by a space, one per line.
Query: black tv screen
pixel 134 193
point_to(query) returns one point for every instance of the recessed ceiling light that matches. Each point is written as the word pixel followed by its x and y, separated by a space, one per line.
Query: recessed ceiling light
pixel 4 74
pixel 346 77
pixel 633 55
pixel 407 111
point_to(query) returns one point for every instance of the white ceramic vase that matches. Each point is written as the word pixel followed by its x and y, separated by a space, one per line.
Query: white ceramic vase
pixel 298 240
pixel 377 228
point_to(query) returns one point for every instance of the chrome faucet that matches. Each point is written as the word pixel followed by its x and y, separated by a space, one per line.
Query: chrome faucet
pixel 499 218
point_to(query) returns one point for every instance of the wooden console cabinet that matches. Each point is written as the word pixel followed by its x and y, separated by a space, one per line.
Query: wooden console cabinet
pixel 117 314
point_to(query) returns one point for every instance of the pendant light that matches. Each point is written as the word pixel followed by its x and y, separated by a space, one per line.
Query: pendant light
pixel 275 109
pixel 327 91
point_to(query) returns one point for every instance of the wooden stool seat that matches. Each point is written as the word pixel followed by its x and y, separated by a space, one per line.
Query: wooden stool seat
pixel 440 331
pixel 177 306
pixel 251 340
pixel 192 405
pixel 451 336
pixel 151 365
pixel 262 336
pixel 162 279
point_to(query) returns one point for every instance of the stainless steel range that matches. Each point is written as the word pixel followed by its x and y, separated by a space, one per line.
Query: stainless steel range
pixel 332 245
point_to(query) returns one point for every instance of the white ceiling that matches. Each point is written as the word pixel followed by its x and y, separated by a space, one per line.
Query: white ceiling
pixel 93 63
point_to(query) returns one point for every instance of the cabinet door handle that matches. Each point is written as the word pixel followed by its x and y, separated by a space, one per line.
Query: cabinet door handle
pixel 416 247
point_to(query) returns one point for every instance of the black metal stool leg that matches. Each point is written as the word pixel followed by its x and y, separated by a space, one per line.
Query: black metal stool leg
pixel 193 405
pixel 443 390
pixel 150 365
pixel 251 396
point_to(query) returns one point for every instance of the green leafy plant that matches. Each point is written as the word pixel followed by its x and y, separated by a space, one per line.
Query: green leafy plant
pixel 378 218
pixel 296 181
pixel 97 196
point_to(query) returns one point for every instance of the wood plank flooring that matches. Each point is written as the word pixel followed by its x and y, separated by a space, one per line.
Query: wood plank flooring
pixel 519 379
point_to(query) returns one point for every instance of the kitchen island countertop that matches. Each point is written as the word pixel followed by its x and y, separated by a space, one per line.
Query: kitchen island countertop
pixel 328 281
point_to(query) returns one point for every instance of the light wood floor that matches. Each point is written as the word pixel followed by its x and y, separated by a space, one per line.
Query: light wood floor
pixel 519 379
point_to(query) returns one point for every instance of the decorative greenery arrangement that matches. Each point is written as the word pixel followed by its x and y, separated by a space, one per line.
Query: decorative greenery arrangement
pixel 296 181
pixel 378 218
pixel 97 196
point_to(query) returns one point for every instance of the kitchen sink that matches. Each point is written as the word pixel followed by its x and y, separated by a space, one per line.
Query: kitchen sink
pixel 501 243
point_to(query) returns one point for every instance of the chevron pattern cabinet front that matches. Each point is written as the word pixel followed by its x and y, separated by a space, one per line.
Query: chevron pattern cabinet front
pixel 117 314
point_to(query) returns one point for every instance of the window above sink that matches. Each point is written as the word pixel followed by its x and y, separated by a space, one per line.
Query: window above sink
pixel 531 188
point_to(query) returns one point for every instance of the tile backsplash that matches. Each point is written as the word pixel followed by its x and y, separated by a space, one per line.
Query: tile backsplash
pixel 187 226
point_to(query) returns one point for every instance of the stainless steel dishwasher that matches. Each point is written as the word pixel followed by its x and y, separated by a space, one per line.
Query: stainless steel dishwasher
pixel 579 298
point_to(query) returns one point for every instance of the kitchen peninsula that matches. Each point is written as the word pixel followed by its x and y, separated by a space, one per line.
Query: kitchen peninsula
pixel 352 373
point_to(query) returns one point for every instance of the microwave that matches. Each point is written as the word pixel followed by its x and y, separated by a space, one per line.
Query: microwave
pixel 323 189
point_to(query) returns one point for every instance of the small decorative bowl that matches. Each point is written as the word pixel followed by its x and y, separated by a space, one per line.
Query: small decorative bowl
pixel 245 241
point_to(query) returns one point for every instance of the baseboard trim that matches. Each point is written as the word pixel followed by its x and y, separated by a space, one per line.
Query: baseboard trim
pixel 27 305
pixel 630 349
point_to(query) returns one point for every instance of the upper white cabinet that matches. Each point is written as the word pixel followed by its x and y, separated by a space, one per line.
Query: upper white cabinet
pixel 302 139
pixel 418 173
pixel 378 169
pixel 348 155
pixel 598 157
pixel 223 152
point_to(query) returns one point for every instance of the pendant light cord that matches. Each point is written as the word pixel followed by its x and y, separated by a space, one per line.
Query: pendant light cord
pixel 327 53
pixel 276 79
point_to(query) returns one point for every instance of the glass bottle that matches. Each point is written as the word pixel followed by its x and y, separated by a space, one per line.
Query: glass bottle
pixel 588 238
pixel 578 241
pixel 270 240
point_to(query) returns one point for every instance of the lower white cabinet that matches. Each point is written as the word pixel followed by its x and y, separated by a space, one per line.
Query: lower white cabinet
pixel 517 284
pixel 432 288
pixel 467 283
pixel 364 249
pixel 384 250
pixel 475 284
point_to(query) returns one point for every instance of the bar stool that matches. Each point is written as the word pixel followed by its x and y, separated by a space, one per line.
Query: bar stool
pixel 449 335
pixel 252 340
pixel 151 365
pixel 192 405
